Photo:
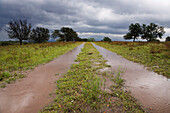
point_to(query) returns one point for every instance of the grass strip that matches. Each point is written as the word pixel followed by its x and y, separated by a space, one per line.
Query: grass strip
pixel 155 56
pixel 15 59
pixel 80 88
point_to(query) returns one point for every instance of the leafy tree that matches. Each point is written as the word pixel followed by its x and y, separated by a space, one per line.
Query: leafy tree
pixel 134 32
pixel 91 40
pixel 77 39
pixel 56 33
pixel 107 39
pixel 168 38
pixel 66 34
pixel 19 29
pixel 40 35
pixel 144 33
pixel 152 31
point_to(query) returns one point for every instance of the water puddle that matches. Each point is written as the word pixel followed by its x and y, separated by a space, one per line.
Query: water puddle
pixel 32 93
pixel 151 89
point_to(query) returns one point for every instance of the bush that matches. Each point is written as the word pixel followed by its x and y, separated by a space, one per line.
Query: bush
pixel 167 38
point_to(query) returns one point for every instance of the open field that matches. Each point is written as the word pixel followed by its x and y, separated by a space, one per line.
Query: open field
pixel 84 56
pixel 17 58
pixel 80 88
pixel 98 81
pixel 155 56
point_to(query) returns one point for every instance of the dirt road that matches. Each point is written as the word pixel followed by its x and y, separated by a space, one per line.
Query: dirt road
pixel 151 89
pixel 32 93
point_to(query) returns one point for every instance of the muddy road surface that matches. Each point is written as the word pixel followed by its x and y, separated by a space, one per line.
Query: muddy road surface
pixel 152 90
pixel 31 94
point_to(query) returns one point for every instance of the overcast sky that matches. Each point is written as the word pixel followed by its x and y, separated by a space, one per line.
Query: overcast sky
pixel 90 18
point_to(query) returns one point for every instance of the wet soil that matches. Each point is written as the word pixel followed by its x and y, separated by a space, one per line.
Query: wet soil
pixel 31 94
pixel 152 90
pixel 107 83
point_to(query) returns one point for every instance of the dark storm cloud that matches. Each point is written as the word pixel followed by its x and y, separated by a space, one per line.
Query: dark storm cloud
pixel 39 12
pixel 88 17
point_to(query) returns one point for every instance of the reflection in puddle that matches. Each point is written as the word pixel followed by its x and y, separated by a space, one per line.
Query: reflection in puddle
pixel 151 89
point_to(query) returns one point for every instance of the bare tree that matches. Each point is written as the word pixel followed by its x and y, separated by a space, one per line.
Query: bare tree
pixel 19 29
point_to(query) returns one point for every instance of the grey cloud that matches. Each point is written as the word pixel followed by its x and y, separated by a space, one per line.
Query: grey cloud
pixel 3 34
pixel 96 16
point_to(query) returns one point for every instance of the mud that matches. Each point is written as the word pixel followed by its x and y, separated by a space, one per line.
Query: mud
pixel 107 83
pixel 31 94
pixel 152 90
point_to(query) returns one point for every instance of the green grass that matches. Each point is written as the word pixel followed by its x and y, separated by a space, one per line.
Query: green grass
pixel 155 56
pixel 80 88
pixel 16 58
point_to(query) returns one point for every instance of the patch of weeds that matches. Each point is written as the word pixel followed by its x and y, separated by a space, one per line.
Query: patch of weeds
pixel 119 100
pixel 21 76
pixel 80 88
pixel 104 73
pixel 8 78
pixel 118 80
pixel 5 75
pixel 122 101
pixel 2 85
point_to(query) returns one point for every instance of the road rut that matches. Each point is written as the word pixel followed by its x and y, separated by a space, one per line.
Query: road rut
pixel 32 93
pixel 151 89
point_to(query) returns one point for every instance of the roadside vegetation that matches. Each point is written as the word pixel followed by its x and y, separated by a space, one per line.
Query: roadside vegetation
pixel 155 56
pixel 14 59
pixel 6 43
pixel 79 90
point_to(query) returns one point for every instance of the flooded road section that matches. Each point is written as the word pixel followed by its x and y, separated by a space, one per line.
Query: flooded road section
pixel 31 94
pixel 151 89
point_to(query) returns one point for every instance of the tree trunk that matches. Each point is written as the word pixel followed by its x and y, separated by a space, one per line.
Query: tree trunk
pixel 134 39
pixel 20 42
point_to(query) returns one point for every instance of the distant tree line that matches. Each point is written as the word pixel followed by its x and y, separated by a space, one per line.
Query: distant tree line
pixel 21 30
pixel 148 32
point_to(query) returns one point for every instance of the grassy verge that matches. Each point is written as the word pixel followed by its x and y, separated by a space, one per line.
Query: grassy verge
pixel 155 56
pixel 18 58
pixel 80 88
